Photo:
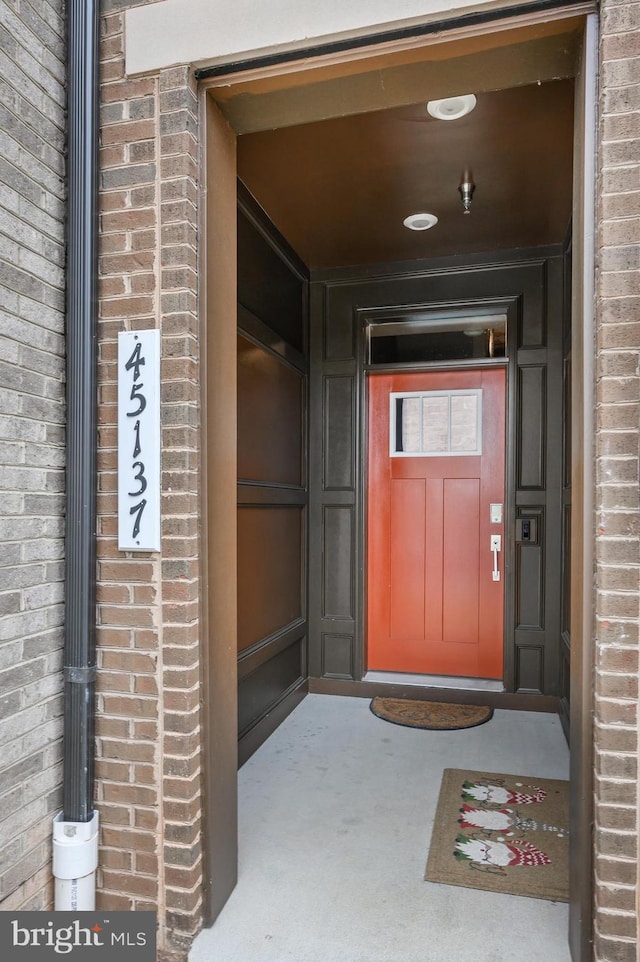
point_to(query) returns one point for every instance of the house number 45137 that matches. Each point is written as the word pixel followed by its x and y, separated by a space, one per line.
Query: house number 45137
pixel 139 440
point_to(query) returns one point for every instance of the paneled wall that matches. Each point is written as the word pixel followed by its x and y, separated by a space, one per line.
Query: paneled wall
pixel 529 286
pixel 272 477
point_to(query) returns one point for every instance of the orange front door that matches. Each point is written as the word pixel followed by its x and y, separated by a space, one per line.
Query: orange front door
pixel 436 487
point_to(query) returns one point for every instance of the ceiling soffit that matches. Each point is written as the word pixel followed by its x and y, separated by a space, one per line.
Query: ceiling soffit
pixel 339 154
pixel 340 189
pixel 489 61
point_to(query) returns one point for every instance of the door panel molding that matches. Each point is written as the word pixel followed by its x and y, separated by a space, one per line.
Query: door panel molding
pixel 521 284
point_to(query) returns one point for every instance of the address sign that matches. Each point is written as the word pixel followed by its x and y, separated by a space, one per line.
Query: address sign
pixel 139 440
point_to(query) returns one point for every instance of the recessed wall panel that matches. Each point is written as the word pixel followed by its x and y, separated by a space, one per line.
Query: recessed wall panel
pixel 270 415
pixel 338 452
pixel 267 286
pixel 263 688
pixel 529 665
pixel 530 602
pixel 269 571
pixel 532 391
pixel 337 593
pixel 339 341
pixel 533 333
pixel 337 656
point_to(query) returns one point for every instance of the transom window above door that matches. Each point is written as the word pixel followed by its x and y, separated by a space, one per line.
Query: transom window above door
pixel 435 424
pixel 442 337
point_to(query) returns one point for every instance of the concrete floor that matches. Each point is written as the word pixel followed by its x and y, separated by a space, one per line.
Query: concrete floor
pixel 336 810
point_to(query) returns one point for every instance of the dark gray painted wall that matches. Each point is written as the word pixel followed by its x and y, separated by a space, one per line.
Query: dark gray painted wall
pixel 530 285
pixel 272 477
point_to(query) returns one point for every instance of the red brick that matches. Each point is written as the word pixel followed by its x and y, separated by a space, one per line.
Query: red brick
pixel 131 884
pixel 115 859
pixel 130 707
pixel 146 818
pixel 110 902
pixel 126 133
pixel 134 220
pixel 146 864
pixel 108 681
pixel 128 90
pixel 116 615
pixel 622 871
pixel 617 925
pixel 622 898
pixel 145 685
pixel 129 839
pixel 129 661
pixel 112 727
pixel 111 771
pixel 127 750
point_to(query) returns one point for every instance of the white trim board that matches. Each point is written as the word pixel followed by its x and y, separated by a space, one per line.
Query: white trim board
pixel 202 32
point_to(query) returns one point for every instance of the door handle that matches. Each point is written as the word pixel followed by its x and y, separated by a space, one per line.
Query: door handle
pixel 496 546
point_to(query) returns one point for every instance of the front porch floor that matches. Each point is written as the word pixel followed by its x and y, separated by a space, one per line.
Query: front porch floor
pixel 335 813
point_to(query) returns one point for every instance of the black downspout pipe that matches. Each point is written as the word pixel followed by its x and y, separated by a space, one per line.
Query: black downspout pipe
pixel 81 323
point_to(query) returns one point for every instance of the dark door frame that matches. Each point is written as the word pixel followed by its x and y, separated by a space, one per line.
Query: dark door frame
pixel 375 315
pixel 218 178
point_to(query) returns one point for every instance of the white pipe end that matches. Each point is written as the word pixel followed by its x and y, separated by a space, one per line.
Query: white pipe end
pixel 75 860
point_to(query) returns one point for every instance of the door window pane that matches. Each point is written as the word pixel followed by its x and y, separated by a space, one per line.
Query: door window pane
pixel 411 427
pixel 464 422
pixel 436 423
pixel 435 435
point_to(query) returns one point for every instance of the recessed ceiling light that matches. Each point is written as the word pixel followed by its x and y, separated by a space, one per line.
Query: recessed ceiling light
pixel 452 108
pixel 473 332
pixel 420 221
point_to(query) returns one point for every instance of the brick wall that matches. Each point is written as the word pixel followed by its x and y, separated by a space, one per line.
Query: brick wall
pixel 32 211
pixel 148 618
pixel 148 764
pixel 617 493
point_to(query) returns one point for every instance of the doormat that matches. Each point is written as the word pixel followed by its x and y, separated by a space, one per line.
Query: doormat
pixel 504 833
pixel 438 716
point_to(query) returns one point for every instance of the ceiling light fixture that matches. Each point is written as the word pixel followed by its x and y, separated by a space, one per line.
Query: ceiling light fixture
pixel 452 108
pixel 421 221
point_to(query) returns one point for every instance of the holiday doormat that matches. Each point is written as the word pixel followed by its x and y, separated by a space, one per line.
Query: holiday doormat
pixel 505 833
pixel 434 715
